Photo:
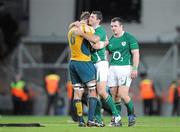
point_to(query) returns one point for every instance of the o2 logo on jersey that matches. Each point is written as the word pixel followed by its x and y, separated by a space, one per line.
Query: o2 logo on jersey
pixel 117 56
pixel 123 43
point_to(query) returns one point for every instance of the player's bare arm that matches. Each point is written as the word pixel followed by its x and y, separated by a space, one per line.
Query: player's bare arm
pixel 135 54
pixel 100 44
pixel 90 37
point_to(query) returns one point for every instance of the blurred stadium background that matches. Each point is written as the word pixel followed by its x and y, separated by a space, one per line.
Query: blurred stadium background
pixel 41 43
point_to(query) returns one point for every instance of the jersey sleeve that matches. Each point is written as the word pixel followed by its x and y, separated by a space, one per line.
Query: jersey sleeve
pixel 101 33
pixel 133 42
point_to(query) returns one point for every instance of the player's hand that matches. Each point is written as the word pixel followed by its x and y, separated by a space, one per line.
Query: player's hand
pixel 134 74
pixel 79 31
pixel 95 46
pixel 99 45
pixel 77 23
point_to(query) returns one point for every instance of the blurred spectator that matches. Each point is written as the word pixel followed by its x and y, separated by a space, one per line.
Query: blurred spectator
pixel 52 81
pixel 69 88
pixel 178 90
pixel 174 97
pixel 158 98
pixel 19 96
pixel 60 105
pixel 147 93
pixel 32 94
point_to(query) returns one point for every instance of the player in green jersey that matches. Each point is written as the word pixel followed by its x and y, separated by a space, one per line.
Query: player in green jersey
pixel 124 61
pixel 99 58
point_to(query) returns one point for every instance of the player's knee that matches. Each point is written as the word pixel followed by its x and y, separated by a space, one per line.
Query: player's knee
pixel 78 86
pixel 117 98
pixel 78 90
pixel 101 90
pixel 76 94
pixel 91 85
pixel 113 96
pixel 103 93
pixel 92 88
pixel 125 98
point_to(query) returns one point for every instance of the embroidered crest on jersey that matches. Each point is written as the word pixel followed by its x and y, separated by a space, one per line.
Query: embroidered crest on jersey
pixel 123 43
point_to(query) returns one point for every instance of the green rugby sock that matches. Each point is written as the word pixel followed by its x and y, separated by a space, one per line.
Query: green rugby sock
pixel 98 115
pixel 109 101
pixel 118 107
pixel 130 107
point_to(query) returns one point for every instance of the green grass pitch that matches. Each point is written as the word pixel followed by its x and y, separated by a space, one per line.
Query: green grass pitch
pixel 63 124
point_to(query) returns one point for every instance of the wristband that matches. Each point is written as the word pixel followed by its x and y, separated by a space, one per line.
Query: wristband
pixel 134 68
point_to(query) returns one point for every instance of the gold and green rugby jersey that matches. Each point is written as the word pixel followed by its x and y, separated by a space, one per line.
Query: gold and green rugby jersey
pixel 80 47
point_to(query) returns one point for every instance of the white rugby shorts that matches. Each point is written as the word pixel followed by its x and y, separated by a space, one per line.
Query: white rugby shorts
pixel 102 68
pixel 119 76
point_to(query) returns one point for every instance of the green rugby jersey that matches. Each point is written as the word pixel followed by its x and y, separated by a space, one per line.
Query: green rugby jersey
pixel 99 55
pixel 120 49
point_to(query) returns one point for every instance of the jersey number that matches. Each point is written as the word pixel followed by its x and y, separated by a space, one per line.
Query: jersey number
pixel 72 38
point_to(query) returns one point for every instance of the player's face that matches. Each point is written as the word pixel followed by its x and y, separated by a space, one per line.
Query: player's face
pixel 93 20
pixel 86 21
pixel 116 28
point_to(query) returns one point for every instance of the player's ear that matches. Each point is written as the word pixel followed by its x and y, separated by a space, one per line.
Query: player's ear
pixel 121 26
pixel 99 21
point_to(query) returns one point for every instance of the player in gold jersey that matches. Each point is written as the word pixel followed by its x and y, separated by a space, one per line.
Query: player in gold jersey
pixel 82 70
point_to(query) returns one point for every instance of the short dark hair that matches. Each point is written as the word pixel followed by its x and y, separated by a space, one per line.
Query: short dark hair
pixel 120 20
pixel 85 15
pixel 98 15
